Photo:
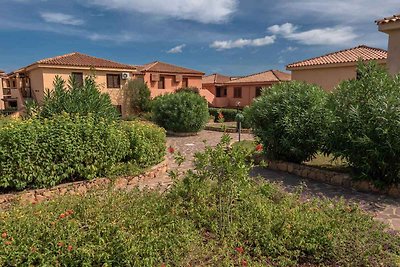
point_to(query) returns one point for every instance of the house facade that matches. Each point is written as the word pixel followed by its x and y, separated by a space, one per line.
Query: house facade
pixel 391 26
pixel 331 69
pixel 240 92
pixel 2 75
pixel 31 82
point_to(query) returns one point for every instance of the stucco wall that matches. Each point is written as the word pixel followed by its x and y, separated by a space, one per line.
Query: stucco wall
pixel 170 84
pixel 1 94
pixel 327 78
pixel 394 51
pixel 248 94
pixel 42 79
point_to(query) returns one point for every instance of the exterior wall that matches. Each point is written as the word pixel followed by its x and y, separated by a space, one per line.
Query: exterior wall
pixel 210 88
pixel 393 30
pixel 327 78
pixel 170 84
pixel 248 95
pixel 42 79
pixel 394 51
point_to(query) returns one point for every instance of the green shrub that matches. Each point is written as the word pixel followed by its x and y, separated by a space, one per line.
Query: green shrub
pixel 147 143
pixel 188 89
pixel 290 119
pixel 77 99
pixel 229 114
pixel 36 153
pixel 180 112
pixel 139 95
pixel 214 216
pixel 366 126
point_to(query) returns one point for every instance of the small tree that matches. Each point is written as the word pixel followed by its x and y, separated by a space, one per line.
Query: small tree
pixel 138 95
pixel 188 89
pixel 75 98
pixel 366 125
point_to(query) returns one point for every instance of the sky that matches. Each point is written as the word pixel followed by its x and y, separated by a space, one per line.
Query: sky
pixel 231 37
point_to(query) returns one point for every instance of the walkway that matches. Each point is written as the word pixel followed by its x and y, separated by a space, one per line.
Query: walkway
pixel 382 207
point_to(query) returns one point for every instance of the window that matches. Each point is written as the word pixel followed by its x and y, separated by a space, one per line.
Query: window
pixel 8 83
pixel 78 76
pixel 258 91
pixel 185 83
pixel 161 83
pixel 221 91
pixel 14 84
pixel 113 81
pixel 237 92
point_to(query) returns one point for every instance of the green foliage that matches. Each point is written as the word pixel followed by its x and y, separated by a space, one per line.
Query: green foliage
pixel 139 95
pixel 37 153
pixel 72 98
pixel 291 120
pixel 101 229
pixel 366 126
pixel 188 89
pixel 180 112
pixel 198 222
pixel 228 113
pixel 147 143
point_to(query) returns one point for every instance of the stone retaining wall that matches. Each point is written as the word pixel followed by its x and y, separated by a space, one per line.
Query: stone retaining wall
pixel 81 187
pixel 175 134
pixel 332 177
pixel 226 130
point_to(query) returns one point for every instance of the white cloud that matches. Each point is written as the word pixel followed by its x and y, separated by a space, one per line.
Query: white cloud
pixel 240 43
pixel 338 35
pixel 204 11
pixel 61 18
pixel 177 49
pixel 349 11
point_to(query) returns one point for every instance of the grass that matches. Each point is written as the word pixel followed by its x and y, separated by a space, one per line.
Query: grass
pixel 328 162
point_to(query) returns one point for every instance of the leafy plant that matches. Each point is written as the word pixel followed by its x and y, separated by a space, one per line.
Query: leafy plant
pixel 291 120
pixel 366 126
pixel 180 112
pixel 188 89
pixel 139 95
pixel 73 98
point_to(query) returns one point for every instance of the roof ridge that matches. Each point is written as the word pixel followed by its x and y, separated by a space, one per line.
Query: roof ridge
pixel 254 74
pixel 334 53
pixel 57 57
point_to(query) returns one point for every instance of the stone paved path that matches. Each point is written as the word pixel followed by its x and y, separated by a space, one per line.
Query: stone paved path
pixel 383 208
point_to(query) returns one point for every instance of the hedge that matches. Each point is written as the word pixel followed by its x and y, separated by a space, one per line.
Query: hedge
pixel 38 153
pixel 228 113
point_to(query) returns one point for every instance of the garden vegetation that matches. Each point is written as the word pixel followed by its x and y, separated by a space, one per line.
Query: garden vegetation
pixel 184 111
pixel 215 215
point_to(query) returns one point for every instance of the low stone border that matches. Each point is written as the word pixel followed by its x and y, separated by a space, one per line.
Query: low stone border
pixel 226 130
pixel 169 133
pixel 331 177
pixel 82 187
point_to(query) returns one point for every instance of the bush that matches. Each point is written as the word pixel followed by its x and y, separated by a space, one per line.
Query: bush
pixel 228 113
pixel 77 99
pixel 290 119
pixel 188 89
pixel 366 125
pixel 139 95
pixel 214 216
pixel 37 153
pixel 147 143
pixel 180 112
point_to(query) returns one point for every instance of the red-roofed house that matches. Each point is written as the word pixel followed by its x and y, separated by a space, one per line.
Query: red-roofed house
pixel 231 92
pixel 31 82
pixel 331 69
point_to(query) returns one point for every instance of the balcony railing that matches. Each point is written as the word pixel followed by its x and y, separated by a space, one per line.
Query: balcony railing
pixel 6 92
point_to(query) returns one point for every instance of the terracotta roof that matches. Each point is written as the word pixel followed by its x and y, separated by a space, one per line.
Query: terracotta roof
pixel 215 78
pixel 262 77
pixel 159 66
pixel 343 56
pixel 82 60
pixel 393 18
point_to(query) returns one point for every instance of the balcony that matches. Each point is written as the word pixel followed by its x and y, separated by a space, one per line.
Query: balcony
pixel 6 92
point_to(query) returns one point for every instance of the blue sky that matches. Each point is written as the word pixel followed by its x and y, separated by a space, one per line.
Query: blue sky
pixel 233 37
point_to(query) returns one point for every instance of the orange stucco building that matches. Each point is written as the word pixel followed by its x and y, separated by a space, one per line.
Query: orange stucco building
pixel 331 69
pixel 391 26
pixel 234 92
pixel 32 81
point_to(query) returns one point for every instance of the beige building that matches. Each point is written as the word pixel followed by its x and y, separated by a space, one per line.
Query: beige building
pixel 31 82
pixel 331 69
pixel 391 26
pixel 241 91
pixel 2 75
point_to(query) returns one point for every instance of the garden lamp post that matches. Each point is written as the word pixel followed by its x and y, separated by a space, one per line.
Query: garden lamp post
pixel 239 118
